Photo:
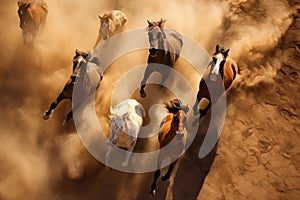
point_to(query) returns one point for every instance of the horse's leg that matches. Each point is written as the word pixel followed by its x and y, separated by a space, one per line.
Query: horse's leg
pixel 165 74
pixel 153 185
pixel 53 105
pixel 112 140
pixel 198 99
pixel 170 169
pixel 147 74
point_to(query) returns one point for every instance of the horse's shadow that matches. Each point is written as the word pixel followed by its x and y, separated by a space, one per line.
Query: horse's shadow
pixel 192 170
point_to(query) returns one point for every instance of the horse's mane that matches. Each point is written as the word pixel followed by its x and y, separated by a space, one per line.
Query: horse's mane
pixel 107 16
pixel 166 126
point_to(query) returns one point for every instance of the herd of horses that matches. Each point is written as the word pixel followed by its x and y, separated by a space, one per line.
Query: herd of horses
pixel 127 116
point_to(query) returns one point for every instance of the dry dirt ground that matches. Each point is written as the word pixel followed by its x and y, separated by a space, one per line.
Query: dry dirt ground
pixel 258 153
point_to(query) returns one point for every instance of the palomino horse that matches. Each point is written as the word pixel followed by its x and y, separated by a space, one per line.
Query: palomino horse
pixel 83 72
pixel 110 24
pixel 125 123
pixel 172 130
pixel 32 16
pixel 165 48
pixel 222 70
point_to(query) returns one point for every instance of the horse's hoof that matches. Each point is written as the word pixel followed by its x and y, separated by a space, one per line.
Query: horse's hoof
pixel 45 116
pixel 152 192
pixel 143 94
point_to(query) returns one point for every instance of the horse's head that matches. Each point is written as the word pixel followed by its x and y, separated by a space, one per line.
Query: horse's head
pixel 104 24
pixel 78 60
pixel 219 59
pixel 179 110
pixel 23 13
pixel 155 35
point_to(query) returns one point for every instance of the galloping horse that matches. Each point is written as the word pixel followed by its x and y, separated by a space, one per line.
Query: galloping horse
pixel 165 48
pixel 125 123
pixel 222 70
pixel 172 130
pixel 32 16
pixel 110 24
pixel 85 72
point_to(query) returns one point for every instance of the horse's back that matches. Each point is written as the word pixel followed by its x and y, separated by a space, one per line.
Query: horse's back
pixel 38 11
pixel 173 45
pixel 175 40
pixel 231 70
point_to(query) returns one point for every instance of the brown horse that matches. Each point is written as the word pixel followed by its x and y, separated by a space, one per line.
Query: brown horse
pixel 218 77
pixel 172 130
pixel 165 48
pixel 32 16
pixel 110 24
pixel 82 72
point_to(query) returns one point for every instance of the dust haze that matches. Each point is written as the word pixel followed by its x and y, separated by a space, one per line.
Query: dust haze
pixel 37 156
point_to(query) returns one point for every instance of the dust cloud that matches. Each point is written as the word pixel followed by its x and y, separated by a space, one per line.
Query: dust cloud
pixel 38 155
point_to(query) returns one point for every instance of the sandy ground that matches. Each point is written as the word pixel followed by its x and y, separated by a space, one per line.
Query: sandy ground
pixel 258 153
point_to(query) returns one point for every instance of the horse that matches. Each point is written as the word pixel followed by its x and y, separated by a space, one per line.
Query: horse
pixel 32 17
pixel 110 24
pixel 172 130
pixel 85 73
pixel 125 123
pixel 222 70
pixel 165 48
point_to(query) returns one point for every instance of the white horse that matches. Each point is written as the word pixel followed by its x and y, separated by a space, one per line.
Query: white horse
pixel 110 24
pixel 125 123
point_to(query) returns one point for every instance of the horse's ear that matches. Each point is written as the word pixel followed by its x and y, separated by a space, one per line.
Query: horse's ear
pixel 161 22
pixel 226 53
pixel 149 23
pixel 217 48
pixel 19 3
pixel 100 17
pixel 77 52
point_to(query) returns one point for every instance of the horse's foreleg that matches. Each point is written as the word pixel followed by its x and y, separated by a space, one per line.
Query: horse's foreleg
pixel 53 105
pixel 147 74
pixel 170 169
pixel 128 154
pixel 153 185
pixel 155 177
pixel 165 74
pixel 197 101
pixel 70 115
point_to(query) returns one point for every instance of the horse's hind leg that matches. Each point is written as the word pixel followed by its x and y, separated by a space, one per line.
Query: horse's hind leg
pixel 53 105
pixel 168 174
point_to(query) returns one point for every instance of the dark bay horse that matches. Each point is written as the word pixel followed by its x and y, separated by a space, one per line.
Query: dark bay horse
pixel 32 16
pixel 220 74
pixel 165 48
pixel 172 130
pixel 85 72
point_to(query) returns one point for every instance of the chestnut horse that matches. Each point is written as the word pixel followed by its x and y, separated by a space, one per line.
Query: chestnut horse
pixel 110 24
pixel 172 130
pixel 32 16
pixel 220 74
pixel 165 48
pixel 84 70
